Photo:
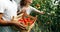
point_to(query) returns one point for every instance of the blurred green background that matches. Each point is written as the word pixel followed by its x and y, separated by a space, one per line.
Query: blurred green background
pixel 50 21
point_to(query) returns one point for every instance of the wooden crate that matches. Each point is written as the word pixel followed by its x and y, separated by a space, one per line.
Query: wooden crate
pixel 28 28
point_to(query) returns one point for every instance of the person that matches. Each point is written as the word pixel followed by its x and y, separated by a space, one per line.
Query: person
pixel 24 6
pixel 8 10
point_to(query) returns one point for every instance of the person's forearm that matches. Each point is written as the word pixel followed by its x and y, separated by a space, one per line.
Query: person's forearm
pixel 40 12
pixel 2 23
pixel 5 23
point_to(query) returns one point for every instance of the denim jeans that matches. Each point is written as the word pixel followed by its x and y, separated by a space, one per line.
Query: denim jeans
pixel 7 29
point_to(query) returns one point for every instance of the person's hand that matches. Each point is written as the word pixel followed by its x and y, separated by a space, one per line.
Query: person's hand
pixel 42 12
pixel 23 10
pixel 18 24
pixel 13 21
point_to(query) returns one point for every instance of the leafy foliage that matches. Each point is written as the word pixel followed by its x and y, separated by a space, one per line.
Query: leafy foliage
pixel 50 21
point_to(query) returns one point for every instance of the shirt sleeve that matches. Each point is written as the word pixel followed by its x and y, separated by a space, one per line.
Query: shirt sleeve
pixel 1 7
pixel 34 9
